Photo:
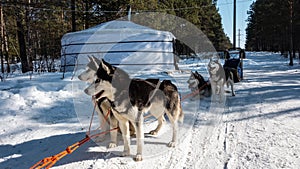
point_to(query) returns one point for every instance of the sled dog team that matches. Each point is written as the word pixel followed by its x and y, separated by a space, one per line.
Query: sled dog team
pixel 129 99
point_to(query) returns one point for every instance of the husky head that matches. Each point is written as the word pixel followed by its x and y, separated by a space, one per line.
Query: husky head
pixel 193 81
pixel 213 66
pixel 196 81
pixel 91 68
pixel 108 80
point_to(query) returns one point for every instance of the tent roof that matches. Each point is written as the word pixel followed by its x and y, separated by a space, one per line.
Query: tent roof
pixel 116 31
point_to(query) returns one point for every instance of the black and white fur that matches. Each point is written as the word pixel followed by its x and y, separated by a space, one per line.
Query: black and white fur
pixel 196 81
pixel 218 77
pixel 132 98
pixel 103 104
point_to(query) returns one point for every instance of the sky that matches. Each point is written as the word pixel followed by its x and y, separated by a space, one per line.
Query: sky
pixel 226 11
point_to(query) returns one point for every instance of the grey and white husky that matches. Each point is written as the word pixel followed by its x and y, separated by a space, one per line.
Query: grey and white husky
pixel 132 98
pixel 196 82
pixel 218 77
pixel 103 105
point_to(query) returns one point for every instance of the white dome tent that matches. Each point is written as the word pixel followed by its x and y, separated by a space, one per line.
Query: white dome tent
pixel 121 43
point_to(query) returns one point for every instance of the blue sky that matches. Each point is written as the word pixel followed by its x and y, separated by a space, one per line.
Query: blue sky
pixel 226 11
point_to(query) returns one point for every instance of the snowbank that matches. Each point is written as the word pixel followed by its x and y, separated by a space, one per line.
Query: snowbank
pixel 258 128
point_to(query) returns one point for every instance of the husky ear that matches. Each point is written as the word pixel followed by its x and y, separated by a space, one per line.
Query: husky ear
pixel 106 66
pixel 92 64
pixel 90 59
pixel 97 61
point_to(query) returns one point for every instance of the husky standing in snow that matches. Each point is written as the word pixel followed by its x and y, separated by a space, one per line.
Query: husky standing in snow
pixel 218 77
pixel 103 105
pixel 132 98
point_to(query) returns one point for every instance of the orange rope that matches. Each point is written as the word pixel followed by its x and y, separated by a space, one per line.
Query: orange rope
pixel 50 161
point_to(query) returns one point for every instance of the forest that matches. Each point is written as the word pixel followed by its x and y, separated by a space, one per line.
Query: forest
pixel 274 25
pixel 31 30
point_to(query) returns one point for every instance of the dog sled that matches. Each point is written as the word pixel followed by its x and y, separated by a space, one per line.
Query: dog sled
pixel 234 61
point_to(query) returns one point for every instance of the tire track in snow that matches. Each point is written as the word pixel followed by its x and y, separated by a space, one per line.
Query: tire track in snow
pixel 205 147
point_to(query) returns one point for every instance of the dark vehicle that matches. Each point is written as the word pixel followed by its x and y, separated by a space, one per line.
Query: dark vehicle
pixel 234 60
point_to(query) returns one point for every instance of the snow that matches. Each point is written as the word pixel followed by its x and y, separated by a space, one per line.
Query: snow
pixel 258 128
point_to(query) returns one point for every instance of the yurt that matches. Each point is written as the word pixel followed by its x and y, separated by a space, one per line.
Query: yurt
pixel 121 43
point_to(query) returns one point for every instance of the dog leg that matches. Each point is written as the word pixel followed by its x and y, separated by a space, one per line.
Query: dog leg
pixel 232 91
pixel 131 129
pixel 160 121
pixel 139 136
pixel 218 90
pixel 103 124
pixel 174 123
pixel 174 137
pixel 213 91
pixel 114 133
pixel 124 126
pixel 221 90
pixel 222 93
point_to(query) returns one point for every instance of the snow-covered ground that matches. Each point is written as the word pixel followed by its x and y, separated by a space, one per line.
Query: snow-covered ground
pixel 258 128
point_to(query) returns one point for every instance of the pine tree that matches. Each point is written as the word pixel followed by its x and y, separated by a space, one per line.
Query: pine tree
pixel 270 28
pixel 34 28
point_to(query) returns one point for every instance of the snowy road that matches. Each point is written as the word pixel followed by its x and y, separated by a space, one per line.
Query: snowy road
pixel 262 122
pixel 258 128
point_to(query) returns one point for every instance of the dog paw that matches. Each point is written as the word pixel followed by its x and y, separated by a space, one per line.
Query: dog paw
pixel 138 157
pixel 171 144
pixel 153 132
pixel 112 145
pixel 125 153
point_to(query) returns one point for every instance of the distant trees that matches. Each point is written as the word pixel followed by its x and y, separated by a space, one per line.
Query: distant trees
pixel 31 30
pixel 274 25
pixel 34 29
pixel 204 15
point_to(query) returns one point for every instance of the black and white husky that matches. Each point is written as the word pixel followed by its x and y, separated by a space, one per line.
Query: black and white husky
pixel 218 77
pixel 132 98
pixel 103 104
pixel 197 82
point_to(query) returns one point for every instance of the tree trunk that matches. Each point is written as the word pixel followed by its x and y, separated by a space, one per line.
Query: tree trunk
pixel 86 18
pixel 2 39
pixel 73 15
pixel 2 62
pixel 28 39
pixel 299 56
pixel 291 32
pixel 21 41
pixel 4 44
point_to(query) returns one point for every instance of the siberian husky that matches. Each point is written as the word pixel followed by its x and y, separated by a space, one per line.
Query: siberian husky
pixel 196 81
pixel 132 98
pixel 218 77
pixel 103 105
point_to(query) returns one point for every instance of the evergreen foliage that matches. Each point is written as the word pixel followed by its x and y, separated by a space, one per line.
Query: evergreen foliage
pixel 270 28
pixel 34 28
